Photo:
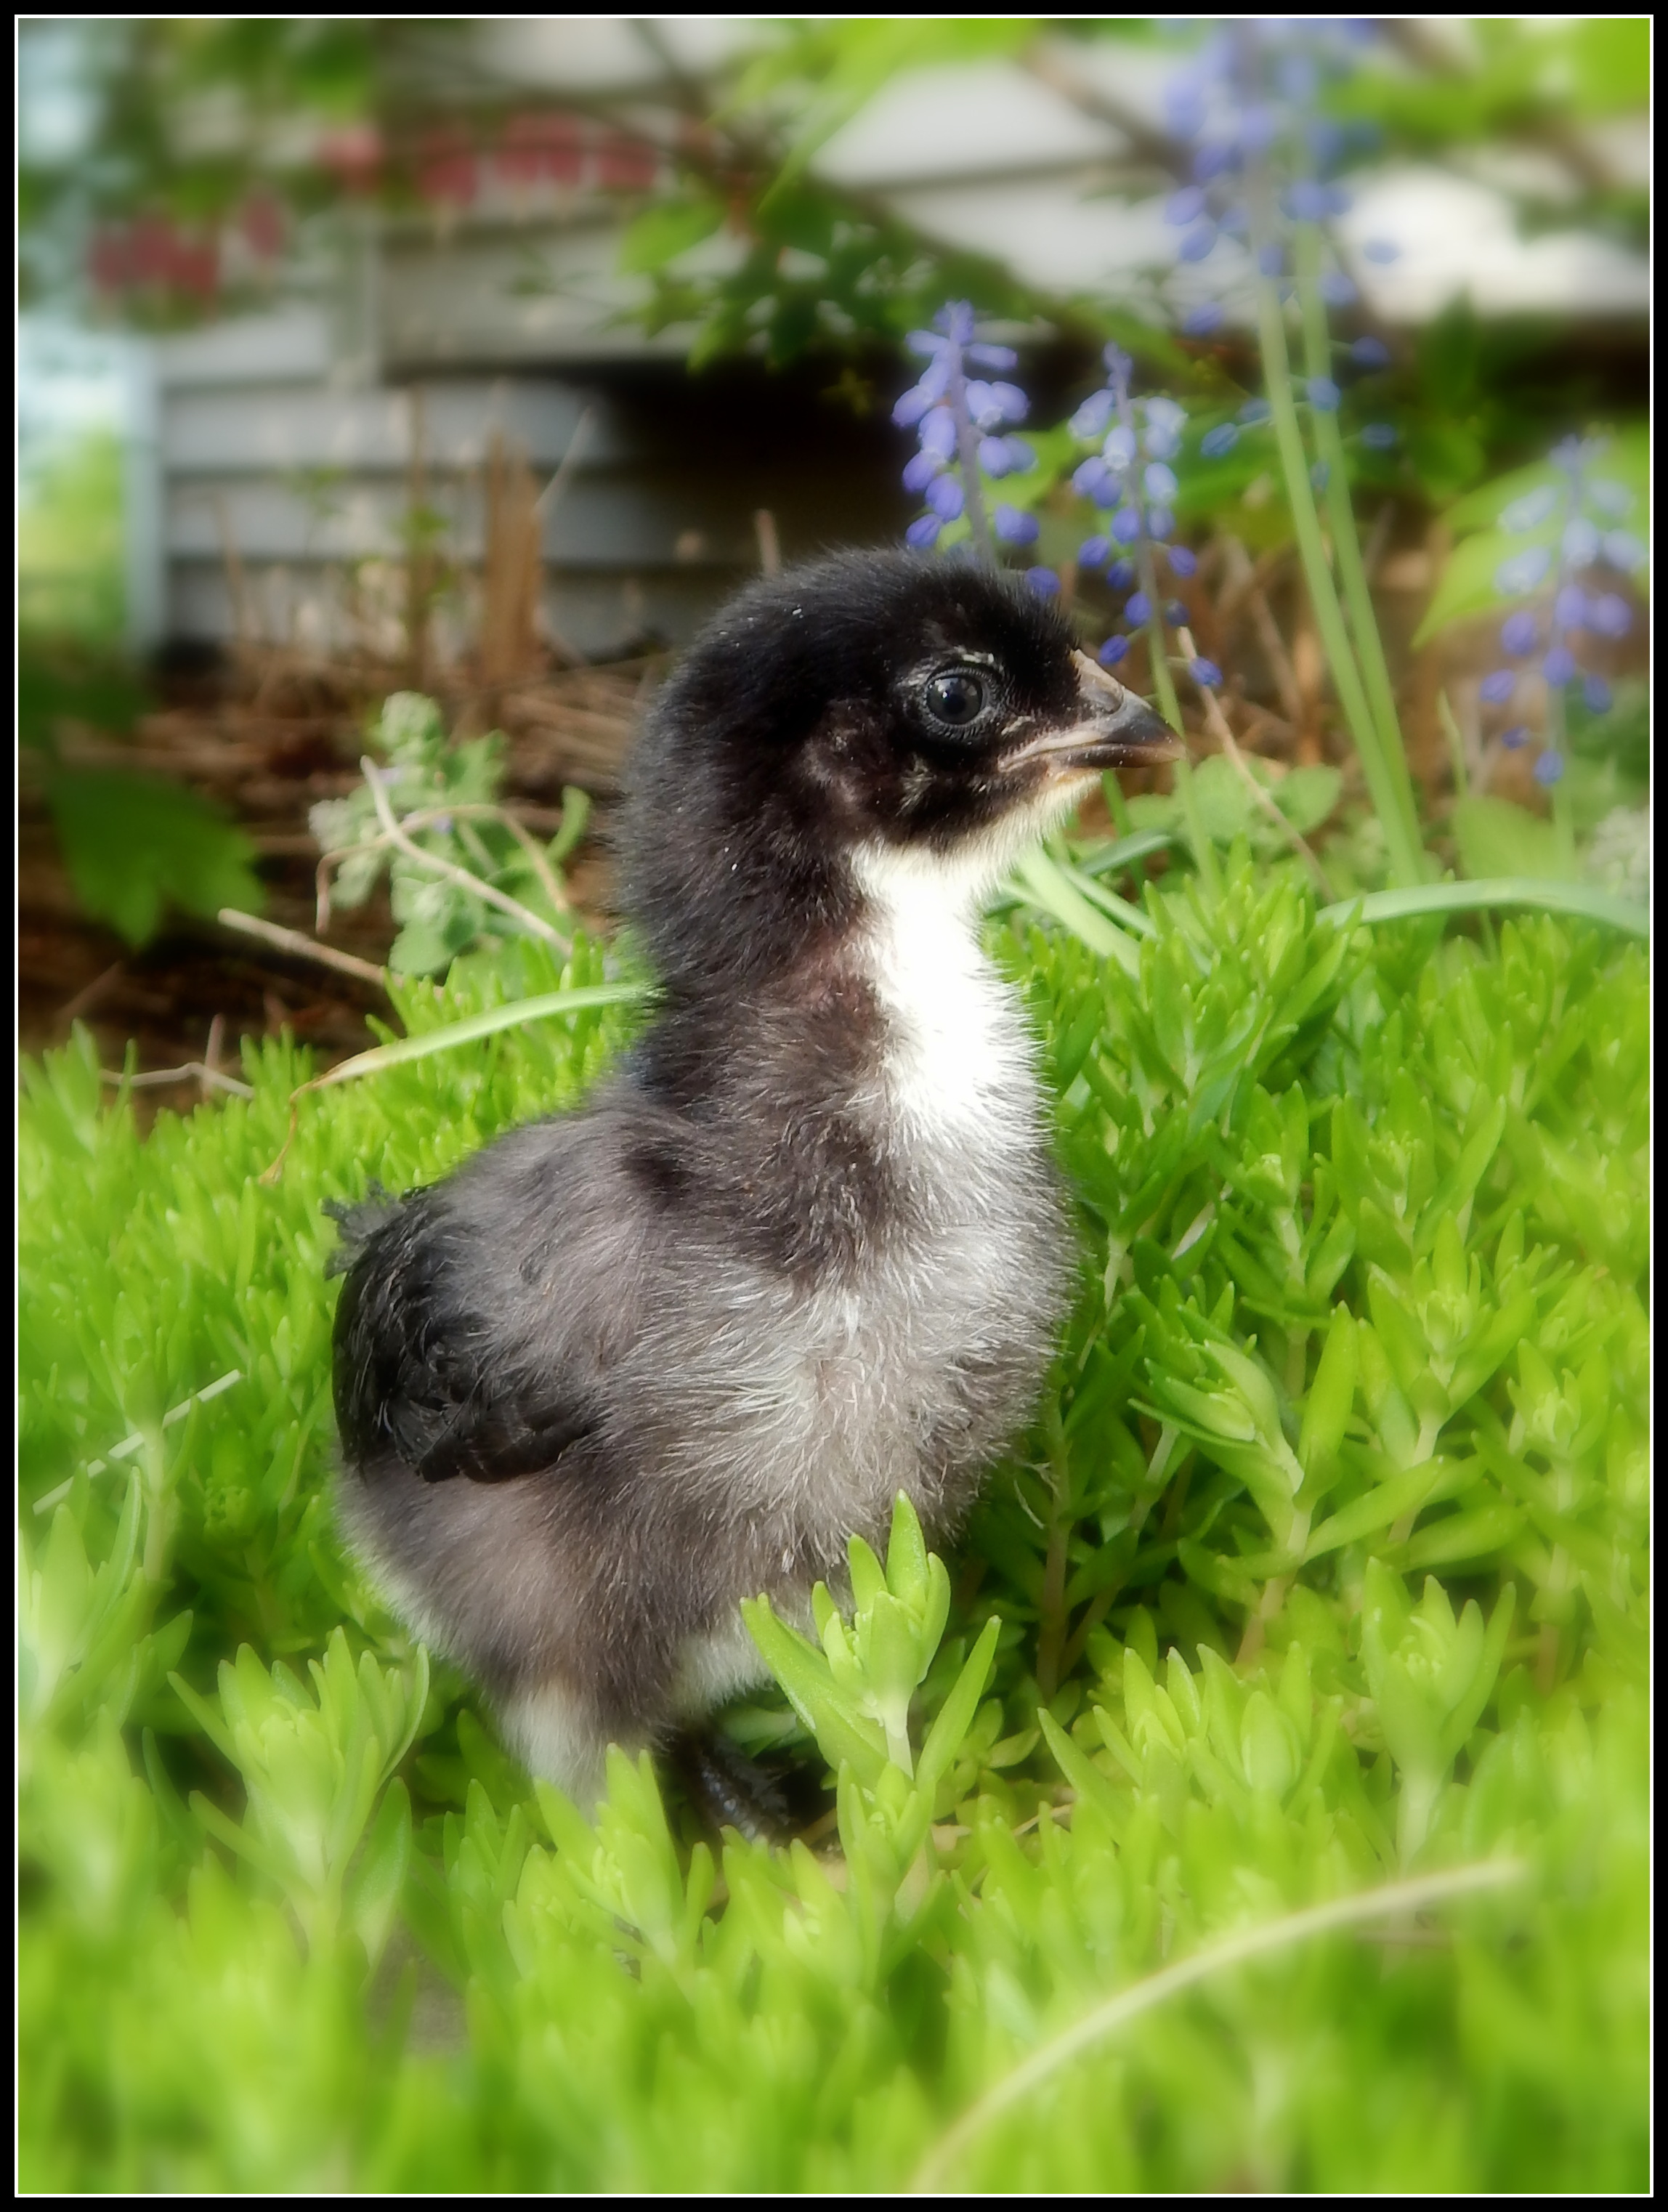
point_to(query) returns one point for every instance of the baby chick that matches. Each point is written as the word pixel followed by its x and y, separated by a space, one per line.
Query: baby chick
pixel 807 1247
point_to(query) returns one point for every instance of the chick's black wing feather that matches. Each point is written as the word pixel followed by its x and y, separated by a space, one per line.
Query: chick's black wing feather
pixel 415 1375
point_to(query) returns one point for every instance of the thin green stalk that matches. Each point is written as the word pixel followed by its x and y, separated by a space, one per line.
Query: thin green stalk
pixel 1117 805
pixel 1407 861
pixel 1451 731
pixel 1345 543
pixel 1204 853
pixel 1564 817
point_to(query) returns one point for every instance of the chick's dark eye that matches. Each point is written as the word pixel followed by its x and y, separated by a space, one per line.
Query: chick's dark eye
pixel 956 697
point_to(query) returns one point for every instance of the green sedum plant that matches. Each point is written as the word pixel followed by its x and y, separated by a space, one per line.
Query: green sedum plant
pixel 461 869
pixel 1322 1569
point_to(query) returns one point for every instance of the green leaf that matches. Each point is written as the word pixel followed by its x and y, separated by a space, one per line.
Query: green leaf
pixel 374 1892
pixel 1496 838
pixel 1467 585
pixel 955 1716
pixel 844 1735
pixel 661 234
pixel 132 845
pixel 1331 1395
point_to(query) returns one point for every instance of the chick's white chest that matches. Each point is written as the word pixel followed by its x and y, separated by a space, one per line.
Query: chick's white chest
pixel 911 1374
pixel 955 1065
pixel 910 1369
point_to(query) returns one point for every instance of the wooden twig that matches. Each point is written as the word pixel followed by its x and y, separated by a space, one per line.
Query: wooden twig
pixel 235 588
pixel 769 545
pixel 305 948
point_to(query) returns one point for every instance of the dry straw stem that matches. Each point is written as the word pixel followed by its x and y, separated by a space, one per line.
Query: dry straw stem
pixel 513 568
pixel 1383 1903
pixel 191 1071
pixel 304 947
pixel 1217 723
pixel 481 811
pixel 397 836
pixel 1245 580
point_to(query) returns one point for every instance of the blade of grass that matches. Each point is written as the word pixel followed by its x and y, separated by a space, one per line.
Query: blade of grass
pixel 1585 900
pixel 547 1006
pixel 1044 883
pixel 1346 546
pixel 1128 2004
pixel 1400 827
pixel 1112 859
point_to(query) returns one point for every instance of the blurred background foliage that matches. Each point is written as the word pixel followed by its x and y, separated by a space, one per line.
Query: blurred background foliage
pixel 1326 1563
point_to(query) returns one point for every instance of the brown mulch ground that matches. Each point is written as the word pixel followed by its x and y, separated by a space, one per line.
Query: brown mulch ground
pixel 267 734
pixel 267 737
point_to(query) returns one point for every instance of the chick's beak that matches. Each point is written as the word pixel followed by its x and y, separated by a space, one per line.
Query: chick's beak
pixel 1113 729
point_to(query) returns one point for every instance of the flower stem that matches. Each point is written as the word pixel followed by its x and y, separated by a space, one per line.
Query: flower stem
pixel 1407 861
pixel 967 453
pixel 1204 853
pixel 1346 545
pixel 1564 817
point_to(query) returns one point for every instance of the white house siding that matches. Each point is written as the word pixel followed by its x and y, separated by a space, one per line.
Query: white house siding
pixel 281 490
pixel 508 311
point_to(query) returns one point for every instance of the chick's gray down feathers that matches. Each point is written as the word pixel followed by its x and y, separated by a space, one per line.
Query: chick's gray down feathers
pixel 806 1248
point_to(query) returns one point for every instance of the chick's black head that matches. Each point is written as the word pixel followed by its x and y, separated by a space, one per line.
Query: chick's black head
pixel 875 700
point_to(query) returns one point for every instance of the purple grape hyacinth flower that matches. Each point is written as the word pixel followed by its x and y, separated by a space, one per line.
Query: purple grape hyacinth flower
pixel 1569 509
pixel 1265 162
pixel 1139 437
pixel 1521 572
pixel 962 430
pixel 1609 615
